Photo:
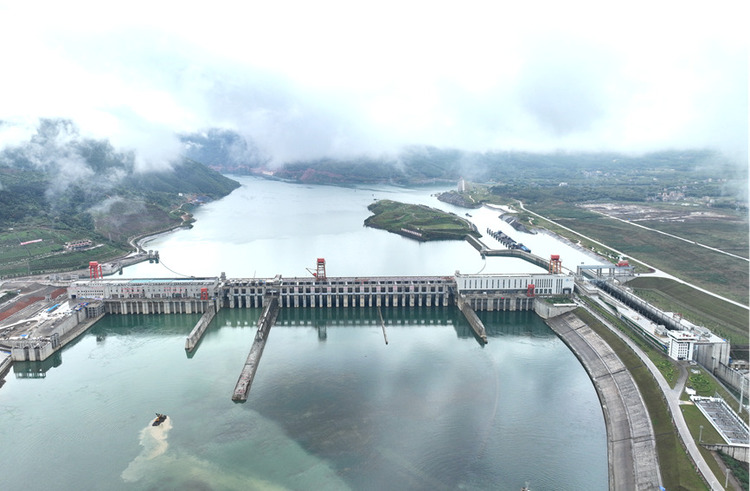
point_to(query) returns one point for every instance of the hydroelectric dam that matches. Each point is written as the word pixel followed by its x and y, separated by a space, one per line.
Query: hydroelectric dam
pixel 496 292
pixel 633 461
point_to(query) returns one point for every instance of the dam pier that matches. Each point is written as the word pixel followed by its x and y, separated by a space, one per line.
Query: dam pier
pixel 509 292
pixel 470 293
pixel 208 295
pixel 266 321
pixel 195 335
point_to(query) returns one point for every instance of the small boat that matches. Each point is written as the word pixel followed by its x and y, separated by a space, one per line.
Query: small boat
pixel 160 418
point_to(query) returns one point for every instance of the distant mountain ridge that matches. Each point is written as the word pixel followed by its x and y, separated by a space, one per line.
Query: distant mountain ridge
pixel 59 175
pixel 587 175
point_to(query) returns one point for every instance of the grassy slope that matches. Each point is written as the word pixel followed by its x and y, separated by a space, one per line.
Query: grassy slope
pixel 711 270
pixel 129 218
pixel 729 234
pixel 676 467
pixel 109 215
pixel 666 365
pixel 721 317
pixel 46 256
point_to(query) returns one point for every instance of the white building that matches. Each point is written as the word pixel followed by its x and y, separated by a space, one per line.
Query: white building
pixel 144 288
pixel 542 284
pixel 707 348
pixel 681 344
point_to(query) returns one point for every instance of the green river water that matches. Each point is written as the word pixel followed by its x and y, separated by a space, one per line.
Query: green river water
pixel 332 406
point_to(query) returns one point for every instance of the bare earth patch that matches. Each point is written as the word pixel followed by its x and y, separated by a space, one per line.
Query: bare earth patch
pixel 636 213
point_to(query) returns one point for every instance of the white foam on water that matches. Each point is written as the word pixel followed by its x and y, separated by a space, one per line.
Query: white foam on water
pixel 154 468
pixel 153 439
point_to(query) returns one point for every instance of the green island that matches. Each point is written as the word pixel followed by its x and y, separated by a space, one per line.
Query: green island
pixel 418 222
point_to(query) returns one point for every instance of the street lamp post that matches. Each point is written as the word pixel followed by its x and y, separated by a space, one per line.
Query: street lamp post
pixel 700 435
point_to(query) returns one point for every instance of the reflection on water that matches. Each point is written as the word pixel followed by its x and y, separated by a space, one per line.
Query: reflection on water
pixel 425 411
pixel 36 369
pixel 522 323
pixel 150 325
pixel 332 405
pixel 432 409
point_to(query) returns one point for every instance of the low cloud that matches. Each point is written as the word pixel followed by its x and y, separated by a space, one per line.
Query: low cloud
pixel 339 80
pixel 51 151
pixel 58 150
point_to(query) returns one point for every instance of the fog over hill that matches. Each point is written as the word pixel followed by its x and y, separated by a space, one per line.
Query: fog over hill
pixel 631 177
pixel 60 175
pixel 58 169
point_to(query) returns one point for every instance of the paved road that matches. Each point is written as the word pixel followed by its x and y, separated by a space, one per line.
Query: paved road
pixel 673 400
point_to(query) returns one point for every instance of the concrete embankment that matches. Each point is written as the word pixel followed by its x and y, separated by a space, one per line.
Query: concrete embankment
pixel 546 310
pixel 5 361
pixel 267 319
pixel 631 444
pixel 197 333
pixel 79 329
pixel 476 243
pixel 737 452
pixel 526 256
pixel 473 319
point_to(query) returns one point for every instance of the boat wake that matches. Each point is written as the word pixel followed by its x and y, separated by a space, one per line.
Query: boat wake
pixel 157 468
pixel 153 439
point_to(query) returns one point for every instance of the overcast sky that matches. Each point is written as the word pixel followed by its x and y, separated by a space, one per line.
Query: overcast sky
pixel 309 79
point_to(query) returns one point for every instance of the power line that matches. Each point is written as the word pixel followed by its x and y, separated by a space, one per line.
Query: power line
pixel 175 272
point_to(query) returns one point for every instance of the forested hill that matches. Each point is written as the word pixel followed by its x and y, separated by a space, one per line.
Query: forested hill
pixel 587 176
pixel 579 176
pixel 61 180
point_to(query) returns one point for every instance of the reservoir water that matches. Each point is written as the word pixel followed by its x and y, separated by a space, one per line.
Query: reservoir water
pixel 268 227
pixel 332 406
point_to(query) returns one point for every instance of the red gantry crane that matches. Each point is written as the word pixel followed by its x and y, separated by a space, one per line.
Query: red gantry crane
pixel 555 265
pixel 320 271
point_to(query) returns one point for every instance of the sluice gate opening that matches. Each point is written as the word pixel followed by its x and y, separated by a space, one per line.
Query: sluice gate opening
pixel 153 306
pixel 194 295
pixel 341 292
pixel 492 303
pixel 323 294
